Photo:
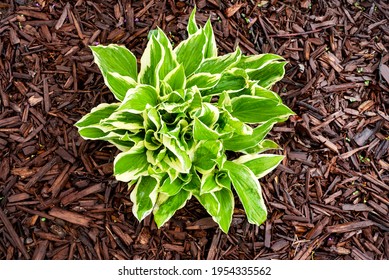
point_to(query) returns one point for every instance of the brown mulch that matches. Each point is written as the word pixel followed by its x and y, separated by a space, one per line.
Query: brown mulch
pixel 329 199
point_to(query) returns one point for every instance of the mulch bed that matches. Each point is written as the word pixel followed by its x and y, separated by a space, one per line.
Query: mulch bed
pixel 327 200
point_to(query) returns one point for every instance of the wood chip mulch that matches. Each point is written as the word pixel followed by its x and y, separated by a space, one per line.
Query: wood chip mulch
pixel 327 200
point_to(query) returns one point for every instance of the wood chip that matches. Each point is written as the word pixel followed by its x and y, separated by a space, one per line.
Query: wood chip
pixel 11 231
pixel 70 217
pixel 350 226
pixel 233 9
pixel 359 207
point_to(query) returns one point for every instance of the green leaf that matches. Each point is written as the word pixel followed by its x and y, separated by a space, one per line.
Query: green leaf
pixel 249 191
pixel 193 185
pixel 258 61
pixel 155 157
pixel 97 114
pixel 203 80
pixel 132 164
pixel 254 109
pixel 206 152
pixel 220 205
pixel 95 133
pixel 176 78
pixel 208 115
pixel 203 132
pixel 118 84
pixel 190 53
pixel 152 119
pixel 144 196
pixel 238 143
pixel 208 183
pixel 263 146
pixel 217 65
pixel 118 66
pixel 138 98
pixel 192 25
pixel 211 48
pixel 194 99
pixel 260 165
pixel 228 123
pixel 222 179
pixel 180 161
pixel 269 74
pixel 152 140
pixel 124 120
pixel 92 126
pixel 171 188
pixel 151 62
pixel 169 57
pixel 231 81
pixel 265 93
pixel 166 206
pixel 123 146
pixel 115 59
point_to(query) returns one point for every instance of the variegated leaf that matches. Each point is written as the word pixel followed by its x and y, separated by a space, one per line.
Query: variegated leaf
pixel 249 191
pixel 132 164
pixel 166 206
pixel 254 109
pixel 261 164
pixel 144 196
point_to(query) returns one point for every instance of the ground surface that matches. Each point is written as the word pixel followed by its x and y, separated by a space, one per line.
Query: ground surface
pixel 329 198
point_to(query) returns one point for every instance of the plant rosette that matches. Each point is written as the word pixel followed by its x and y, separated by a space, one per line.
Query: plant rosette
pixel 178 119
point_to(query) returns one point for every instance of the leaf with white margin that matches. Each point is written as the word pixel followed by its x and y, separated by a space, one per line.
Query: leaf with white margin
pixel 123 146
pixel 232 80
pixel 217 65
pixel 171 188
pixel 265 93
pixel 176 78
pixel 203 132
pixel 228 123
pixel 205 154
pixel 238 143
pixel 249 191
pixel 124 120
pixel 190 53
pixel 118 84
pixel 95 133
pixel 166 206
pixel 209 114
pixel 181 160
pixel 138 98
pixel 151 62
pixel 262 146
pixel 254 62
pixel 91 125
pixel 203 80
pixel 144 196
pixel 192 25
pixel 169 57
pixel 220 205
pixel 211 47
pixel 254 109
pixel 261 164
pixel 118 66
pixel 269 74
pixel 208 183
pixel 101 112
pixel 132 164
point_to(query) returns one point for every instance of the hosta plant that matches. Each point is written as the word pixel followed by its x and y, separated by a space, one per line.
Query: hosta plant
pixel 189 123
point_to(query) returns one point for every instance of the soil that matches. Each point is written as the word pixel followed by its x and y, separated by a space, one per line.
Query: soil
pixel 329 199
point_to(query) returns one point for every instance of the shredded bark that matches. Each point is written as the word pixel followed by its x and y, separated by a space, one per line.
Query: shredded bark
pixel 327 200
